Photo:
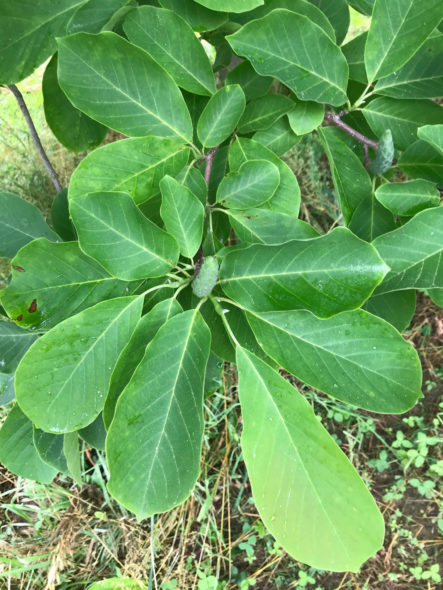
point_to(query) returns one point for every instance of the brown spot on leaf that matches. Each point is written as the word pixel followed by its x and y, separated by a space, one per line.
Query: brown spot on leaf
pixel 33 306
pixel 19 268
pixel 19 318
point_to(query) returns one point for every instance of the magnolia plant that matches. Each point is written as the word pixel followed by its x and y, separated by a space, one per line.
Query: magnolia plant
pixel 180 246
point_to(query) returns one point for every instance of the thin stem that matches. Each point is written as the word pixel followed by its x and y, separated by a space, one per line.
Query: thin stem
pixel 185 284
pixel 221 313
pixel 362 97
pixel 163 286
pixel 36 139
pixel 209 157
pixel 336 120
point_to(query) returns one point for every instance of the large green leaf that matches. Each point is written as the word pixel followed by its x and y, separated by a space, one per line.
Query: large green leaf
pixel 221 115
pixel 200 18
pixel 27 34
pixel 421 160
pixel 60 217
pixel 14 342
pixel 398 29
pixel 338 15
pixel 134 165
pixel 61 281
pixel 326 275
pixel 352 182
pixel 163 401
pixel 62 380
pixel 252 84
pixel 354 356
pixel 432 134
pixel 6 388
pixel 72 128
pixel 231 5
pixel 408 198
pixel 183 214
pixel 134 351
pixel 95 433
pixel 420 77
pixel 112 230
pixel 261 112
pixel 286 198
pixel 252 185
pixel 93 15
pixel 172 43
pixel 20 223
pixel 397 307
pixel 307 492
pixel 272 45
pixel 17 451
pixel 262 226
pixel 302 7
pixel 402 117
pixel 414 253
pixel 370 220
pixel 141 97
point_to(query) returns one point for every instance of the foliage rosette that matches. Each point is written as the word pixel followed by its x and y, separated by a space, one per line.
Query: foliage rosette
pixel 183 239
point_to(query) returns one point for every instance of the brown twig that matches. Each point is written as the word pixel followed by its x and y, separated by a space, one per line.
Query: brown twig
pixel 33 131
pixel 335 119
pixel 209 157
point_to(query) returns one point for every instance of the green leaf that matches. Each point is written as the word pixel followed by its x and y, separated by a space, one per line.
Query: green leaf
pixel 192 179
pixel 272 46
pixel 437 296
pixel 352 182
pixel 60 279
pixel 402 117
pixel 164 399
pixel 329 274
pixel 302 7
pixel 134 351
pixel 14 342
pixel 71 127
pixel 221 115
pixel 60 217
pixel 414 253
pixel 172 43
pixel 93 15
pixel 397 307
pixel 307 492
pixel 262 112
pixel 279 137
pixel 338 15
pixel 95 433
pixel 286 198
pixel 420 77
pixel 408 198
pixel 17 451
pixel 50 449
pixel 432 134
pixel 421 160
pixel 200 18
pixel 231 5
pixel 306 116
pixel 20 223
pixel 262 226
pixel 183 215
pixel 7 393
pixel 71 452
pixel 371 219
pixel 354 356
pixel 27 34
pixel 93 66
pixel 252 84
pixel 112 230
pixel 62 380
pixel 363 6
pixel 253 184
pixel 354 52
pixel 134 165
pixel 398 29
